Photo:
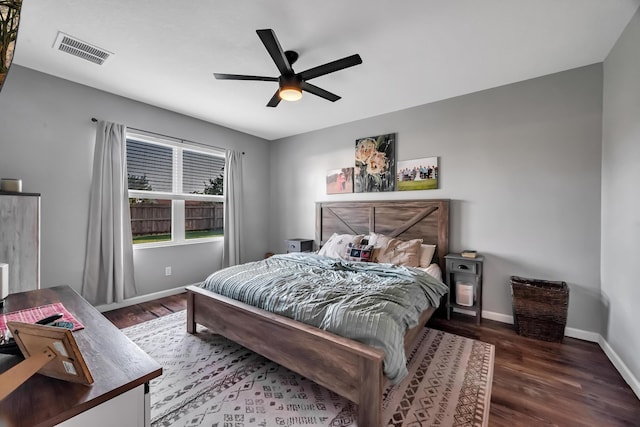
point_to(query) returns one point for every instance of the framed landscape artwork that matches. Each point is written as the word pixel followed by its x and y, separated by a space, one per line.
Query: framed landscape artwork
pixel 375 167
pixel 340 181
pixel 418 174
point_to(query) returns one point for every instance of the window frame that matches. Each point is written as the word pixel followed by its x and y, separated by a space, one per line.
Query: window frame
pixel 177 198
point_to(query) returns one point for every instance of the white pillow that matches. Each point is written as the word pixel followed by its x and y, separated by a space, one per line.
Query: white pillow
pixel 426 254
pixel 336 246
pixel 378 240
pixel 434 270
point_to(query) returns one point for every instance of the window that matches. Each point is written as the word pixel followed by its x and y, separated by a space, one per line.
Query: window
pixel 175 190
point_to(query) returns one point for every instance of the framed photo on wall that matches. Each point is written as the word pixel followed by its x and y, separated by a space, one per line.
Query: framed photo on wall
pixel 418 174
pixel 375 166
pixel 340 181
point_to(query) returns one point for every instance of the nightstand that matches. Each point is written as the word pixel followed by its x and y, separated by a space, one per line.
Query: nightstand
pixel 298 245
pixel 463 276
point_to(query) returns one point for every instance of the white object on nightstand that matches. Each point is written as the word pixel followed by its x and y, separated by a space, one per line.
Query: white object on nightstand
pixel 464 294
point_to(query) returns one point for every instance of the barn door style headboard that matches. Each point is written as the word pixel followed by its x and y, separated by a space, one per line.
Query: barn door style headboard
pixel 404 219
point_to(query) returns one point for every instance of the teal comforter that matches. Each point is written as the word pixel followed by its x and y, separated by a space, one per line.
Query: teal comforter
pixel 367 302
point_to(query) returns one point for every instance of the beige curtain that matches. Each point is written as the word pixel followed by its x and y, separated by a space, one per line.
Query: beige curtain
pixel 108 267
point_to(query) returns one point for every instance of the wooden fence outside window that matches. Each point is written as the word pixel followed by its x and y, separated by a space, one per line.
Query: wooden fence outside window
pixel 155 218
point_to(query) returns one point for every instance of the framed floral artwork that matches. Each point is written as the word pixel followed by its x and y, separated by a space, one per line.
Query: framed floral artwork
pixel 375 168
pixel 340 181
pixel 418 174
pixel 9 20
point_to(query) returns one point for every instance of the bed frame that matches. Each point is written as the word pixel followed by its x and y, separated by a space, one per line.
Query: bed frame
pixel 348 368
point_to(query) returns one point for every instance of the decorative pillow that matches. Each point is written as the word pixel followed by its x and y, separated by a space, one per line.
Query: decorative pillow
pixel 336 246
pixel 399 252
pixel 361 253
pixel 426 254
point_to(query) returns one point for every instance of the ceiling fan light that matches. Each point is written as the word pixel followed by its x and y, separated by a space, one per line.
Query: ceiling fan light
pixel 289 93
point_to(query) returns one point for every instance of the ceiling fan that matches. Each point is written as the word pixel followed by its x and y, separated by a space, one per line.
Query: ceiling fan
pixel 291 83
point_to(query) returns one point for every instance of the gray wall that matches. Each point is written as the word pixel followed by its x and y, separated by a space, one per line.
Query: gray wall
pixel 520 163
pixel 620 196
pixel 47 139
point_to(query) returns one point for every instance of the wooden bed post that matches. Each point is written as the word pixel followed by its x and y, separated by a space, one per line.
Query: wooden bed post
pixel 370 392
pixel 191 322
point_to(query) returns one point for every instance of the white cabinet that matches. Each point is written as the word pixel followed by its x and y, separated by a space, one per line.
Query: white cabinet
pixel 20 239
pixel 129 409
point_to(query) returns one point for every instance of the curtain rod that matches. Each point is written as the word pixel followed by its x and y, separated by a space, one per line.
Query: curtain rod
pixel 93 119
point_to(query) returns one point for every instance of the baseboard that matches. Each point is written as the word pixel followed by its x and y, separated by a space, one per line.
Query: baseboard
pixel 626 373
pixel 582 335
pixel 141 299
pixel 498 317
pixel 568 332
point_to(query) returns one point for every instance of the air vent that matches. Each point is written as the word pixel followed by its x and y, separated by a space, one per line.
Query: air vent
pixel 86 51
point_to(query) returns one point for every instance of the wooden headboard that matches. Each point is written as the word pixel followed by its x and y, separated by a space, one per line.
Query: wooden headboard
pixel 405 219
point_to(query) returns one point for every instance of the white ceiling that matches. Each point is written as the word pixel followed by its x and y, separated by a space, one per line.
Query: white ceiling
pixel 413 51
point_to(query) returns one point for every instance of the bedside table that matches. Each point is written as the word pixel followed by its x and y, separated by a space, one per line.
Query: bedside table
pixel 463 276
pixel 299 245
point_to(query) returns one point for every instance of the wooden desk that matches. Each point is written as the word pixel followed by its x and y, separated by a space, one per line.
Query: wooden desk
pixel 118 367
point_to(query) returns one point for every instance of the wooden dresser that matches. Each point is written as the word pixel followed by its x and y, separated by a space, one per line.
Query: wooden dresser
pixel 119 395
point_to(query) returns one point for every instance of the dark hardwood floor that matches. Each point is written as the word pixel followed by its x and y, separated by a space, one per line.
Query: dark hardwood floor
pixel 535 383
pixel 134 314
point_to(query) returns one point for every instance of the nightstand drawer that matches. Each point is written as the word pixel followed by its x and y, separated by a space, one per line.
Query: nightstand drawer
pixel 459 266
pixel 299 245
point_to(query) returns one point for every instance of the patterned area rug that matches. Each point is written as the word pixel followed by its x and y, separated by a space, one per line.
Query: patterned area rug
pixel 210 381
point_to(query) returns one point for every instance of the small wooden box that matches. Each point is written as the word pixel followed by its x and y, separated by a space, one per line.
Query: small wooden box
pixel 298 245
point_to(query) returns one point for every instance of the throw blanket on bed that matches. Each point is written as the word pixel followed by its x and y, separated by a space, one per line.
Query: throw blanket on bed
pixel 367 302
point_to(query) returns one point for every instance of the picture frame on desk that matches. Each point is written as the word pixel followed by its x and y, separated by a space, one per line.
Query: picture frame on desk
pixel 68 365
pixel 48 350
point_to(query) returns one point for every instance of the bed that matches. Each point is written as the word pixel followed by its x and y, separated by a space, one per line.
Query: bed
pixel 347 367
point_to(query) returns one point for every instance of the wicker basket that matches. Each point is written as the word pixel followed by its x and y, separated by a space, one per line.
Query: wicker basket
pixel 539 308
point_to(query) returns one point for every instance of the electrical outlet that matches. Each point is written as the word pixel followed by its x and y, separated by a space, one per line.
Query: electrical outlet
pixel 167 271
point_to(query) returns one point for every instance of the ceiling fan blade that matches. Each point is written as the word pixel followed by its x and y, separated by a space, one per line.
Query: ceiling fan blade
pixel 319 92
pixel 270 41
pixel 275 99
pixel 244 77
pixel 330 67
